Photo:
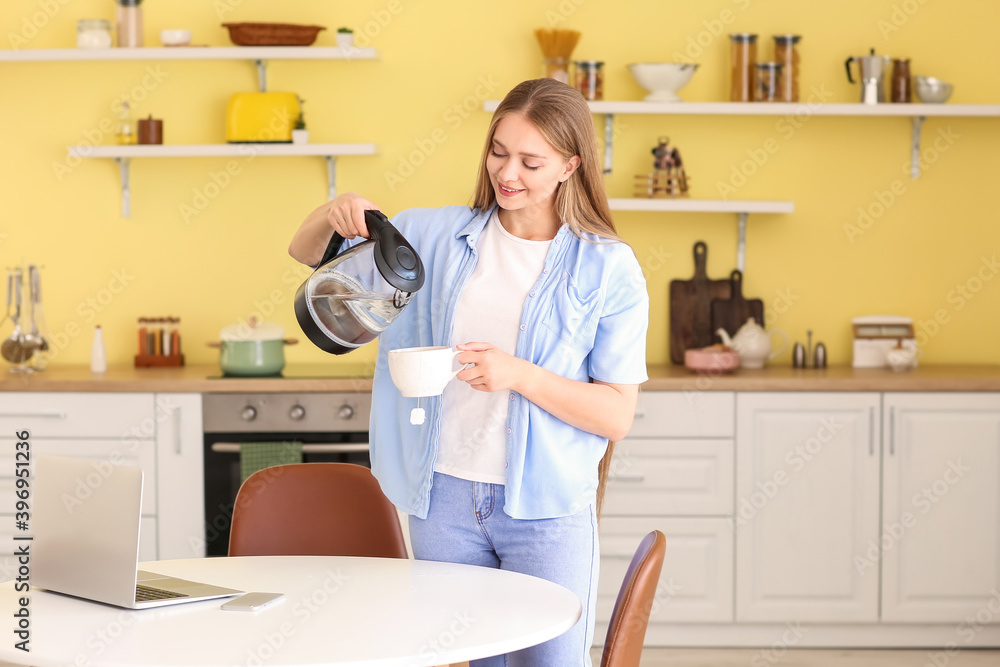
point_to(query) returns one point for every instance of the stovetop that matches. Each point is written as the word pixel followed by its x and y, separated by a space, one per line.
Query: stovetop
pixel 344 371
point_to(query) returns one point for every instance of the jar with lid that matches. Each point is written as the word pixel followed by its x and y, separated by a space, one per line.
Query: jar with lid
pixel 742 58
pixel 589 79
pixel 129 20
pixel 786 53
pixel 556 68
pixel 768 76
pixel 93 34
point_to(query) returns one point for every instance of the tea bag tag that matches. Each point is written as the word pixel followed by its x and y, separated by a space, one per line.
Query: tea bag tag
pixel 417 416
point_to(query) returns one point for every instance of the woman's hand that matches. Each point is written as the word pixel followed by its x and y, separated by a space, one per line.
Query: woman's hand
pixel 494 369
pixel 346 214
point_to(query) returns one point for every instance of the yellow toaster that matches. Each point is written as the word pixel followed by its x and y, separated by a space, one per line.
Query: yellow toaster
pixel 261 117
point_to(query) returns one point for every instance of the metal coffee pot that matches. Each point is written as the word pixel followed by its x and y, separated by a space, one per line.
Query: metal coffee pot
pixel 872 70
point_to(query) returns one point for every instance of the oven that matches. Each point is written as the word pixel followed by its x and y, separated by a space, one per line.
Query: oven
pixel 330 427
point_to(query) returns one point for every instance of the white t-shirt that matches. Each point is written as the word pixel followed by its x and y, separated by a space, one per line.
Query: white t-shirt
pixel 474 423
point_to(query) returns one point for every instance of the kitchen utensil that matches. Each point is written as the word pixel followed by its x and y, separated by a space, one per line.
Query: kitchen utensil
pixel 819 356
pixel 712 359
pixel 10 295
pixel 354 295
pixel 38 322
pixel 753 343
pixel 798 356
pixel 931 90
pixel 261 117
pixel 252 349
pixel 899 84
pixel 662 80
pixel 691 307
pixel 871 70
pixel 13 349
pixel 730 314
pixel 272 34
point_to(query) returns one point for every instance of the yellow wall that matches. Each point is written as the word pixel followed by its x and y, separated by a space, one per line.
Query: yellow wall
pixel 230 260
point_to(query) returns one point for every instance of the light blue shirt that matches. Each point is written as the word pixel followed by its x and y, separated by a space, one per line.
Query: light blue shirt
pixel 585 317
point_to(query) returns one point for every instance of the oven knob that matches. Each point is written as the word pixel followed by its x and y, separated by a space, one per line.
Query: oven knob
pixel 345 412
pixel 297 412
pixel 249 413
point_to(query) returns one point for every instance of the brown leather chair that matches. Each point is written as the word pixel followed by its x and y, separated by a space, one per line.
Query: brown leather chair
pixel 315 509
pixel 627 630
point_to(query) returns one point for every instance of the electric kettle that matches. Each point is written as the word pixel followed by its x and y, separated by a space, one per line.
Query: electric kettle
pixel 352 296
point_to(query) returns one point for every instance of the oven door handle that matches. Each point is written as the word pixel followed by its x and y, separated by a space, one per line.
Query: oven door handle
pixel 307 448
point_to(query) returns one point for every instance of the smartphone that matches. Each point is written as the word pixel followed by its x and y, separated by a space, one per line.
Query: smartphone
pixel 253 601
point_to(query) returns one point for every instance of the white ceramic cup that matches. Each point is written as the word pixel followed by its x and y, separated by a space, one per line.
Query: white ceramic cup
pixel 423 371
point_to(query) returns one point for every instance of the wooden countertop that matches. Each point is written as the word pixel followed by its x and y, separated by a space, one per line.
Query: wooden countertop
pixel 357 377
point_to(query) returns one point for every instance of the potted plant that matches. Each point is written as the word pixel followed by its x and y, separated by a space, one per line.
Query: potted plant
pixel 345 38
pixel 300 135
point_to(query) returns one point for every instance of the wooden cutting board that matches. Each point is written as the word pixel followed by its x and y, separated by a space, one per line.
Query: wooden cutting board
pixel 691 307
pixel 732 313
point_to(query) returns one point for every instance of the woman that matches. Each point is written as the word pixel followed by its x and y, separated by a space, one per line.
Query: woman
pixel 550 308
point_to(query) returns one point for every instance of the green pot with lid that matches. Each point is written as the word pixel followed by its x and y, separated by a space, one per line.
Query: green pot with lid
pixel 253 349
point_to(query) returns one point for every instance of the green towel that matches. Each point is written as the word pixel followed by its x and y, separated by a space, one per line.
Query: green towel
pixel 256 456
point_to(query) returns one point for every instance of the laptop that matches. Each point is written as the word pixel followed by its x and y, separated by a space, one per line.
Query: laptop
pixel 86 537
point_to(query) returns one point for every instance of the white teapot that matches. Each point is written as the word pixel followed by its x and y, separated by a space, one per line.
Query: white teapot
pixel 753 343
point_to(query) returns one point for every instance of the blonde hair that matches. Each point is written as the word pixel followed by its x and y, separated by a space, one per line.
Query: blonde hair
pixel 562 116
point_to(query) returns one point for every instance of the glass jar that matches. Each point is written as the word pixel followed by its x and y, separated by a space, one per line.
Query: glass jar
pixel 129 19
pixel 787 55
pixel 768 77
pixel 556 68
pixel 590 79
pixel 742 57
pixel 93 34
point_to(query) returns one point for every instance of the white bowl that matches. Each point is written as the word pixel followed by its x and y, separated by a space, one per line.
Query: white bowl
pixel 931 90
pixel 662 80
pixel 175 37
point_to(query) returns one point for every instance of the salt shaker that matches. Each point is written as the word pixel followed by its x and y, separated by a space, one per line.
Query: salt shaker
pixel 798 356
pixel 819 356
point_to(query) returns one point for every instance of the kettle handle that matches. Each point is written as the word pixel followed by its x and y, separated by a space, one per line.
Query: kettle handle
pixel 375 221
pixel 847 64
pixel 332 249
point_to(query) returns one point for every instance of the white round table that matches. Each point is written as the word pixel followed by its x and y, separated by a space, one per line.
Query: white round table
pixel 337 611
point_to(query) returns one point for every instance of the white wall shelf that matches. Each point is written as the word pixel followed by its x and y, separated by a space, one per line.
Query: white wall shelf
pixel 743 209
pixel 258 54
pixel 917 113
pixel 124 154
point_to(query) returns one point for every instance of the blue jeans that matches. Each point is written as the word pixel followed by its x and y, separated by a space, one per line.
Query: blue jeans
pixel 466 524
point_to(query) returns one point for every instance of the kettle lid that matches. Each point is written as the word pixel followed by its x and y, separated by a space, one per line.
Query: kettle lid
pixel 395 258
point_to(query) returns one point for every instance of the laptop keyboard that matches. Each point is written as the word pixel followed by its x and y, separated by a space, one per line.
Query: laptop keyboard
pixel 144 593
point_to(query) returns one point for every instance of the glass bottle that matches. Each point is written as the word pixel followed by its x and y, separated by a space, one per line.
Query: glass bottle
pixel 742 58
pixel 590 79
pixel 787 55
pixel 768 77
pixel 123 132
pixel 129 19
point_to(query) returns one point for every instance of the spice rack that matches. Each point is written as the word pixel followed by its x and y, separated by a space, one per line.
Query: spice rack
pixel 159 342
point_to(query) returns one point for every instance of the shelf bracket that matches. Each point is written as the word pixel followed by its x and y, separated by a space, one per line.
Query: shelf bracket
pixel 917 123
pixel 331 176
pixel 123 165
pixel 609 141
pixel 741 242
pixel 261 74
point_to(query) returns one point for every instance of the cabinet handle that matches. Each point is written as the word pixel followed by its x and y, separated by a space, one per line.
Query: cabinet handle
pixel 871 431
pixel 29 415
pixel 312 448
pixel 177 430
pixel 892 431
pixel 626 478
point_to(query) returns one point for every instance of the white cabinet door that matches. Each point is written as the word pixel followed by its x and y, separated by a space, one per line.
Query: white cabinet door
pixel 940 541
pixel 807 501
pixel 180 464
pixel 696 583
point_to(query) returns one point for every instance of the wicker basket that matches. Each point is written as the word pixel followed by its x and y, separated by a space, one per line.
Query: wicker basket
pixel 272 34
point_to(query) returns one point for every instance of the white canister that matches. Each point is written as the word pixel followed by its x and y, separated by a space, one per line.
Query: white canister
pixel 93 34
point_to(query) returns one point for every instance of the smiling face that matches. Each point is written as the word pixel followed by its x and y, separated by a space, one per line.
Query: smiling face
pixel 525 169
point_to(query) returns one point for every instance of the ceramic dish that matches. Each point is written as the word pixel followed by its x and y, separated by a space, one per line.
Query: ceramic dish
pixel 712 359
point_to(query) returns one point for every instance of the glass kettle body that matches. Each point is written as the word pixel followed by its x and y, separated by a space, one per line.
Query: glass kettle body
pixel 354 295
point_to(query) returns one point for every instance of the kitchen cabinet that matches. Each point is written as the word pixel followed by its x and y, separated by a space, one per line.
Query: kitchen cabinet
pixel 161 433
pixel 674 473
pixel 807 504
pixel 940 540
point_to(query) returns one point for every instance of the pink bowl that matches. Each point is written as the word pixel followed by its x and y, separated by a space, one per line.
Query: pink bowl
pixel 712 359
